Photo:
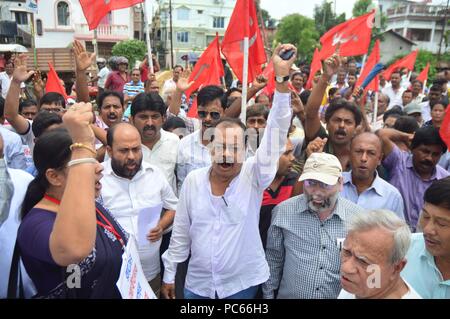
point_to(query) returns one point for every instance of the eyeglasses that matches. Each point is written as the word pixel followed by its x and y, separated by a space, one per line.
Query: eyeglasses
pixel 214 115
pixel 314 183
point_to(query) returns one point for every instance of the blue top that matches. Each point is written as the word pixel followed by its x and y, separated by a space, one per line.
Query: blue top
pixel 422 273
pixel 381 195
pixel 99 271
pixel 14 155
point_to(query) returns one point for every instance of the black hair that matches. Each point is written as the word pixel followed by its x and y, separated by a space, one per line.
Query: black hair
pixel 210 93
pixel 110 134
pixel 428 135
pixel 332 92
pixel 26 103
pixel 436 87
pixel 52 98
pixel 407 91
pixel 105 94
pixel 257 110
pixel 294 74
pixel 441 102
pixel 338 104
pixel 437 193
pixel 406 124
pixel 43 121
pixel 174 123
pixel 52 150
pixel 396 112
pixel 148 102
pixel 2 106
pixel 304 96
pixel 178 66
pixel 417 81
pixel 397 71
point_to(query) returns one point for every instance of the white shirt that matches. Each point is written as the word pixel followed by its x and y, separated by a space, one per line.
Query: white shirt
pixel 102 75
pixel 411 294
pixel 168 85
pixel 395 97
pixel 222 232
pixel 125 198
pixel 8 230
pixel 192 154
pixel 5 82
pixel 164 156
pixel 426 111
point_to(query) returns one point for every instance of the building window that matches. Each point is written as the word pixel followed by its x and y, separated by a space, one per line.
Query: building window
pixel 39 30
pixel 183 37
pixel 219 22
pixel 183 13
pixel 423 35
pixel 200 11
pixel 63 13
pixel 21 18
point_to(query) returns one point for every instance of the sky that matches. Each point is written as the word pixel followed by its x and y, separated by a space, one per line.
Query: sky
pixel 280 8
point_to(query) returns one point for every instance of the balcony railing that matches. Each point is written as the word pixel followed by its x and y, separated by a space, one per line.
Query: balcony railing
pixel 105 32
pixel 417 10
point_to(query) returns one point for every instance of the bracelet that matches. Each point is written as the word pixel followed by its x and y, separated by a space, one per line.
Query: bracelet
pixel 80 145
pixel 88 160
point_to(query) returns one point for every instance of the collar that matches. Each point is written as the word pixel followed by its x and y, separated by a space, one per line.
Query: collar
pixel 377 184
pixel 410 165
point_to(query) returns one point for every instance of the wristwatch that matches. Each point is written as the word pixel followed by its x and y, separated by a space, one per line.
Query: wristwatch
pixel 281 79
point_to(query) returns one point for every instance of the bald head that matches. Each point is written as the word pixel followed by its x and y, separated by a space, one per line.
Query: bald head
pixel 121 130
pixel 369 138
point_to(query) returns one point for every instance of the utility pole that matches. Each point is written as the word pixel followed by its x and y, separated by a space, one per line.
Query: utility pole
pixel 171 34
pixel 443 30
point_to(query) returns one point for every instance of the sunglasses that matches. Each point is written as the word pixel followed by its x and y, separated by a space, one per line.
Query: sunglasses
pixel 314 183
pixel 203 114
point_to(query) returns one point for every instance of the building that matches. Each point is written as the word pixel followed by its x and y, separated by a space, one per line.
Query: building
pixel 194 25
pixel 394 44
pixel 422 23
pixel 14 23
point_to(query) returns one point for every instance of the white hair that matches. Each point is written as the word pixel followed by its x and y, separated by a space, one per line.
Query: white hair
pixel 386 220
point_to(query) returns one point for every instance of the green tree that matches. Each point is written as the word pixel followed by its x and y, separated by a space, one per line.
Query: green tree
pixel 325 18
pixel 301 32
pixel 131 49
pixel 361 7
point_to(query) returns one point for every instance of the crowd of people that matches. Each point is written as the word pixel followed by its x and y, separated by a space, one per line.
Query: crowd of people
pixel 314 196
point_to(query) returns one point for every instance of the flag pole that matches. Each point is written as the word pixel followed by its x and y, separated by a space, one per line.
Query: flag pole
pixel 244 81
pixel 424 86
pixel 363 64
pixel 33 39
pixel 147 38
pixel 375 110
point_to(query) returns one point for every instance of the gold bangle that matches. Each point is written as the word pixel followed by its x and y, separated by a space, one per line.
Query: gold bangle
pixel 80 145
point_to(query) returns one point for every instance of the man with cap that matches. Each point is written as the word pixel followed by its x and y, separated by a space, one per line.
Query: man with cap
pixel 116 80
pixel 102 74
pixel 306 235
pixel 414 110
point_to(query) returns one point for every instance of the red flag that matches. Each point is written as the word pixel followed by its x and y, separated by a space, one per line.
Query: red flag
pixel 94 11
pixel 444 131
pixel 423 76
pixel 353 35
pixel 405 62
pixel 316 65
pixel 54 82
pixel 209 68
pixel 373 59
pixel 243 23
pixel 269 73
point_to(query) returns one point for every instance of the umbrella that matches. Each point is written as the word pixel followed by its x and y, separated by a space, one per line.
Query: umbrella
pixel 13 48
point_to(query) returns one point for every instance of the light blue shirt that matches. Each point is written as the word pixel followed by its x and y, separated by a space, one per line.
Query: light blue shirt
pixel 381 195
pixel 445 161
pixel 13 150
pixel 422 273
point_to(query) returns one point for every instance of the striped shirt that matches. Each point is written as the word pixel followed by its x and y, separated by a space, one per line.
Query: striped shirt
pixel 303 252
pixel 132 89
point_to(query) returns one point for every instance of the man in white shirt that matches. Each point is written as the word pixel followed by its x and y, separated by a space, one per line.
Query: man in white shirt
pixel 394 91
pixel 6 77
pixel 133 189
pixel 218 212
pixel 101 75
pixel 373 255
pixel 160 148
pixel 172 83
pixel 13 186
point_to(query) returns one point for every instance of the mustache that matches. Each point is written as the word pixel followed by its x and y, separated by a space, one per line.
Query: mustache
pixel 426 162
pixel 149 127
pixel 340 132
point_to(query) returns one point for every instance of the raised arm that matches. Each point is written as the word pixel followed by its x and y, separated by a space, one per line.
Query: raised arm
pixel 73 235
pixel 275 134
pixel 388 136
pixel 312 123
pixel 17 121
pixel 183 85
pixel 83 61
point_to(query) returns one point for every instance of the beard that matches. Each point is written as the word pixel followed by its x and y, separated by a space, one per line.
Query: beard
pixel 121 169
pixel 327 203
